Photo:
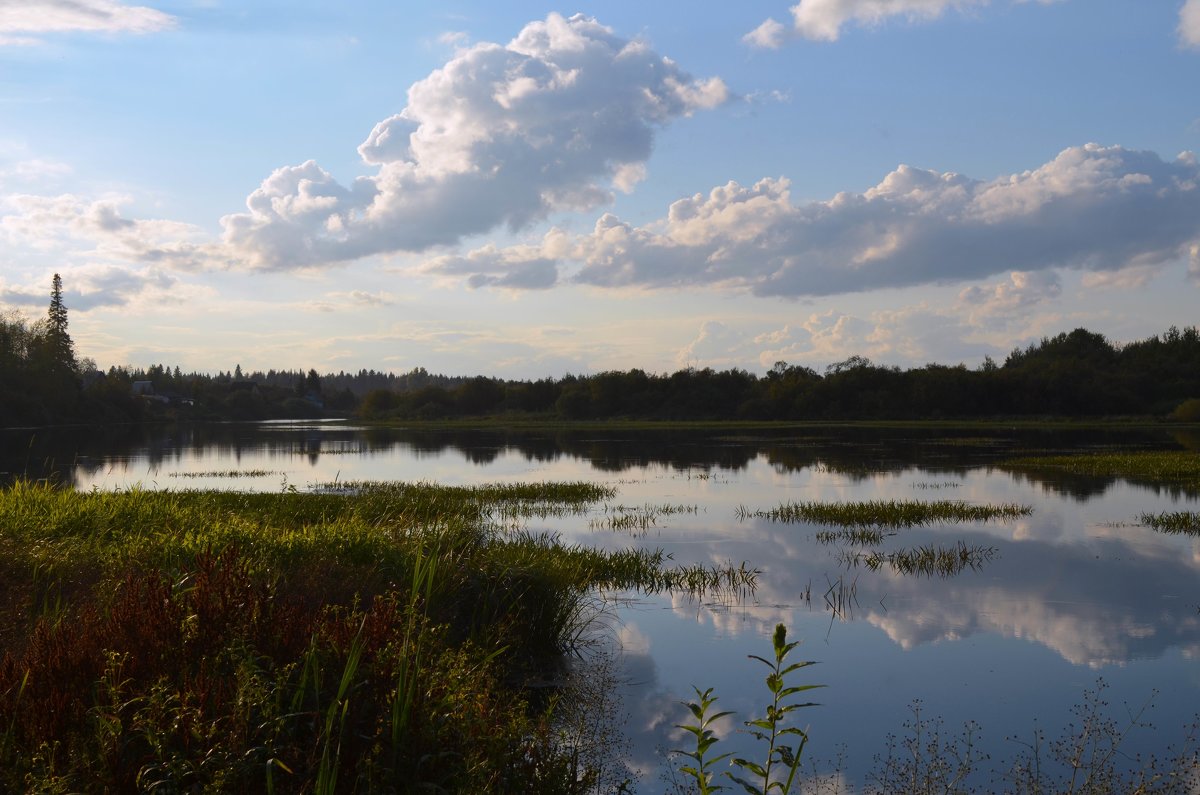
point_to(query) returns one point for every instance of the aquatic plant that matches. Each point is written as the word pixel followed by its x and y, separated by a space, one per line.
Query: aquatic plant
pixel 226 473
pixel 885 513
pixel 1181 522
pixel 861 536
pixel 841 597
pixel 637 519
pixel 927 560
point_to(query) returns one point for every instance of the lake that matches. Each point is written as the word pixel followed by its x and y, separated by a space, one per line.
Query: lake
pixel 1074 593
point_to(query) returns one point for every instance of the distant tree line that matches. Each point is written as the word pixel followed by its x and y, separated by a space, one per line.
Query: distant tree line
pixel 1075 374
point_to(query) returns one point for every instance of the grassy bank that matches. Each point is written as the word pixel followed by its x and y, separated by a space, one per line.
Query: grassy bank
pixel 1171 467
pixel 376 637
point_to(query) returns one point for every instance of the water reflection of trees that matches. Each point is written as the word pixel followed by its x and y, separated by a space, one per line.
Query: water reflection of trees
pixel 856 452
pixel 1082 488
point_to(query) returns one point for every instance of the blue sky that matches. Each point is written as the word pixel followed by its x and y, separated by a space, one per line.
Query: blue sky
pixel 526 190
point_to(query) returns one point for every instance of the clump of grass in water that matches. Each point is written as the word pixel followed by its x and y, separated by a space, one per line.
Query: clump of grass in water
pixel 889 513
pixel 698 580
pixel 226 473
pixel 637 519
pixel 862 536
pixel 926 560
pixel 1179 522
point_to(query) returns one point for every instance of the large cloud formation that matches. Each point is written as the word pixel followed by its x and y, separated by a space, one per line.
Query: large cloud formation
pixel 553 120
pixel 1095 208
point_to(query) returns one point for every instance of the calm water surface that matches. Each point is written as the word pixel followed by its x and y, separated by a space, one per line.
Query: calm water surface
pixel 1076 592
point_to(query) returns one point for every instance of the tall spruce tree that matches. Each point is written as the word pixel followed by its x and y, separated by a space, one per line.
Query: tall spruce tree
pixel 60 347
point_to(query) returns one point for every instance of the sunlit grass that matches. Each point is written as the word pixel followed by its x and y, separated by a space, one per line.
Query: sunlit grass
pixel 359 637
pixel 885 513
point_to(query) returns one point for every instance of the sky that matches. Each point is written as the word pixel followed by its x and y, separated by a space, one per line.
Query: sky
pixel 526 190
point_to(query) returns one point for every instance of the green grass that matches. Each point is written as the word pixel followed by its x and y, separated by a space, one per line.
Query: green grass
pixel 885 513
pixel 1177 522
pixel 858 536
pixel 637 520
pixel 1165 466
pixel 927 561
pixel 361 637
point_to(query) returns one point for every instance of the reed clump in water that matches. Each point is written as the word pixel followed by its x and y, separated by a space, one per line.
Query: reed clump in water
pixel 637 520
pixel 1177 522
pixel 886 513
pixel 857 536
pixel 928 560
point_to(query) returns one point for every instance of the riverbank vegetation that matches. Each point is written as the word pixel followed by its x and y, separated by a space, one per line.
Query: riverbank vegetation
pixel 1077 374
pixel 1165 467
pixel 364 637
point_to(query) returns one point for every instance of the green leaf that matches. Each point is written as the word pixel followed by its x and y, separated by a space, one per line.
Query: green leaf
pixel 796 666
pixel 753 767
pixel 750 787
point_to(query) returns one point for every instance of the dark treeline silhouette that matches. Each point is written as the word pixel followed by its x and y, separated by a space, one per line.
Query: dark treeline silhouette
pixel 1075 374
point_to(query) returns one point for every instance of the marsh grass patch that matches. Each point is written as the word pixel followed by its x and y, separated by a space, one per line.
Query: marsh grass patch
pixel 1173 522
pixel 227 473
pixel 343 639
pixel 885 513
pixel 1164 466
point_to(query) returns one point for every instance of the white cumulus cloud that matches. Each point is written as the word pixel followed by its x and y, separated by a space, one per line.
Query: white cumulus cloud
pixel 1091 208
pixel 500 135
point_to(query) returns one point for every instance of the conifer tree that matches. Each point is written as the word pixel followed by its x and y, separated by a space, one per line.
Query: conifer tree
pixel 61 349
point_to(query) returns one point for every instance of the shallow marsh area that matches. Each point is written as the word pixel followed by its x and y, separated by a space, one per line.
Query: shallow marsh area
pixel 1075 587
